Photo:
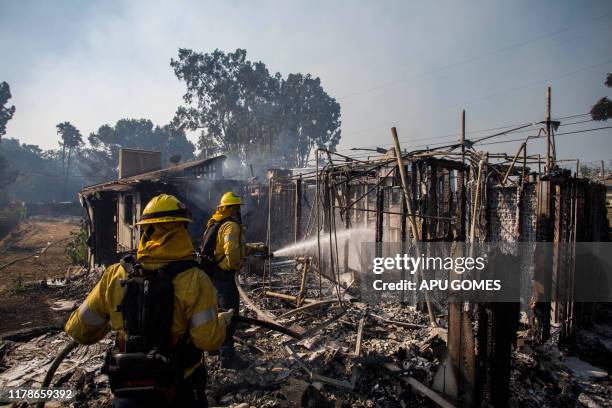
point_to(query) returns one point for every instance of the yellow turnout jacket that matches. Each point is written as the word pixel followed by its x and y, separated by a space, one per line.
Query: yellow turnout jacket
pixel 195 301
pixel 229 247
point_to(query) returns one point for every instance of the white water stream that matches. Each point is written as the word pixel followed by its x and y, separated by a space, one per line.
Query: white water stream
pixel 354 236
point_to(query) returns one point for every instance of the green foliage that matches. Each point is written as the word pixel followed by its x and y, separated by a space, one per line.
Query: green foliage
pixel 18 284
pixel 309 118
pixel 70 135
pixel 602 110
pixel 7 176
pixel 37 174
pixel 6 112
pixel 71 139
pixel 245 111
pixel 100 161
pixel 77 247
pixel 10 216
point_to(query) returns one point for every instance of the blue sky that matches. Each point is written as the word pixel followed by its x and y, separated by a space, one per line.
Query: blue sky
pixel 409 64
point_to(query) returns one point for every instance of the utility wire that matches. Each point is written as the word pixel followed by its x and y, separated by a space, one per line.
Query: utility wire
pixel 479 57
pixel 520 129
pixel 543 136
pixel 471 132
pixel 510 90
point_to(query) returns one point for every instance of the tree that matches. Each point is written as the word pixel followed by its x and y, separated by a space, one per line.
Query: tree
pixel 6 112
pixel 38 174
pixel 310 119
pixel 602 110
pixel 71 139
pixel 7 176
pixel 243 110
pixel 100 160
pixel 224 94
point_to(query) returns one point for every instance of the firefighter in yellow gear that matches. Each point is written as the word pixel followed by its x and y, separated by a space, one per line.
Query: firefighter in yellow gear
pixel 222 251
pixel 194 323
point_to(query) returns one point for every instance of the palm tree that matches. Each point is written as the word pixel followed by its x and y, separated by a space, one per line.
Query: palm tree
pixel 71 139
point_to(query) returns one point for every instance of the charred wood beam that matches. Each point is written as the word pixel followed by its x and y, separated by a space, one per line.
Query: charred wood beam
pixel 283 296
pixel 309 306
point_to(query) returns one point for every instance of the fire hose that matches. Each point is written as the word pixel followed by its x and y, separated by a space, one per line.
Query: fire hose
pixel 237 318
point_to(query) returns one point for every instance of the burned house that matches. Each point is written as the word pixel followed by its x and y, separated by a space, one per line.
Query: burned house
pixel 318 220
pixel 535 221
pixel 114 207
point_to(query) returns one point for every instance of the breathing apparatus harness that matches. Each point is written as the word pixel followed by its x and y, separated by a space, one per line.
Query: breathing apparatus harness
pixel 144 360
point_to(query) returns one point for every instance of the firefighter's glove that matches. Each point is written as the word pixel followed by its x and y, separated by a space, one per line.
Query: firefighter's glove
pixel 227 316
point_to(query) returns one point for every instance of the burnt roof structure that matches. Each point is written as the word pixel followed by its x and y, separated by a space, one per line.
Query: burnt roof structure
pixel 114 207
pixel 209 169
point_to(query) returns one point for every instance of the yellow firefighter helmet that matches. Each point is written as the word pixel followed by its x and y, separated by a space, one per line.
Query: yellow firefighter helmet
pixel 230 198
pixel 164 208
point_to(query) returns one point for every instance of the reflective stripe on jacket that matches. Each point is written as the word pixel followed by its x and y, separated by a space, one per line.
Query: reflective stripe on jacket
pixel 229 249
pixel 195 309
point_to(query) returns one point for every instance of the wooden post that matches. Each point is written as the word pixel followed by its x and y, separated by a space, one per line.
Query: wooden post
pixel 475 203
pixel 347 225
pixel 380 204
pixel 542 273
pixel 524 171
pixel 411 217
pixel 318 216
pixel 539 165
pixel 269 236
pixel 462 139
pixel 298 210
pixel 548 131
pixel 404 211
pixel 302 293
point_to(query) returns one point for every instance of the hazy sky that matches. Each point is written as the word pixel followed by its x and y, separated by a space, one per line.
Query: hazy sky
pixel 409 64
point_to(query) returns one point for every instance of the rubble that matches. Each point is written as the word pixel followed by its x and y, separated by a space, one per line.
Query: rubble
pixel 349 355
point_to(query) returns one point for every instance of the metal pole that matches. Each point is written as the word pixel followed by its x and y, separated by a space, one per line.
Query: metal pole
pixel 548 108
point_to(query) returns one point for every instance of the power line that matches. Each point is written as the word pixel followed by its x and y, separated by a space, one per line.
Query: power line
pixel 447 142
pixel 473 132
pixel 556 134
pixel 497 142
pixel 477 58
pixel 510 90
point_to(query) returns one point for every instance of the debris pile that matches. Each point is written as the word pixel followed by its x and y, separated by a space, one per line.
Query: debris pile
pixel 346 352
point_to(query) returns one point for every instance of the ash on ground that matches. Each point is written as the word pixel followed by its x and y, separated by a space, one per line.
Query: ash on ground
pixel 332 366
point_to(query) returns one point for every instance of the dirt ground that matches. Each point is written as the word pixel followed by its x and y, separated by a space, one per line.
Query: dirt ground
pixel 38 249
